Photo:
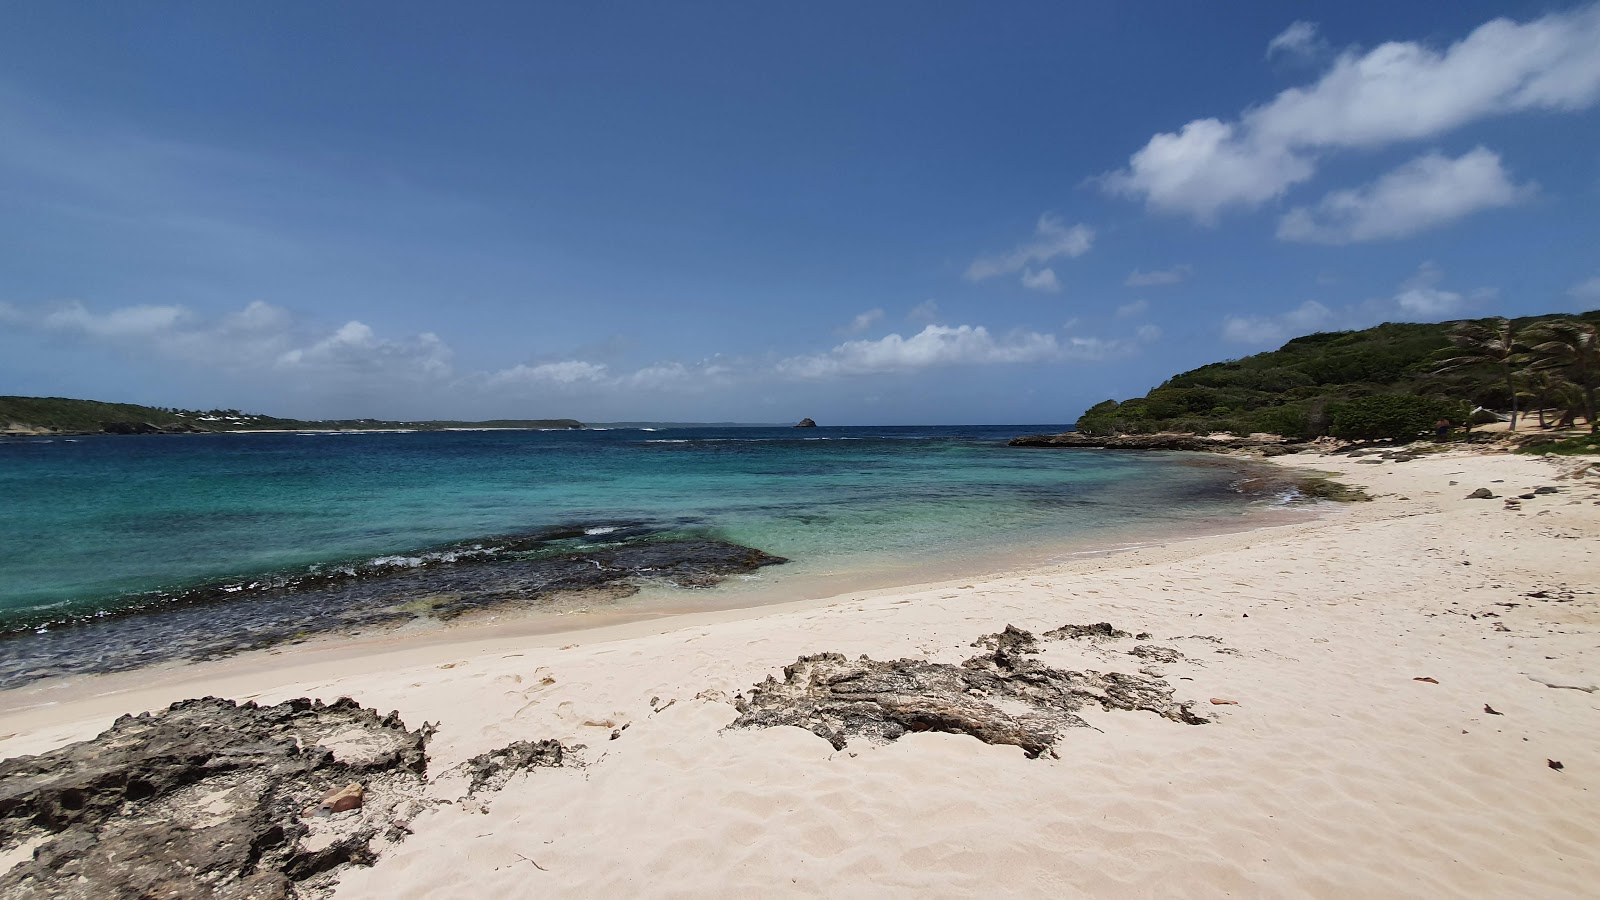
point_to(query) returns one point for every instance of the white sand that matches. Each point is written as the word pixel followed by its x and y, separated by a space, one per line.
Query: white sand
pixel 1336 775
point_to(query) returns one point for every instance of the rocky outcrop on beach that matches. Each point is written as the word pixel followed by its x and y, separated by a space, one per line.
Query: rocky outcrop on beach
pixel 998 697
pixel 1270 444
pixel 562 565
pixel 210 798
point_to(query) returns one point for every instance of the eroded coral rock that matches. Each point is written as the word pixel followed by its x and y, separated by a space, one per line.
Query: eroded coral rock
pixel 490 771
pixel 998 697
pixel 205 799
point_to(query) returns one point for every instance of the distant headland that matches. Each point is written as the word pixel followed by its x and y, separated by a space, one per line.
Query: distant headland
pixel 60 415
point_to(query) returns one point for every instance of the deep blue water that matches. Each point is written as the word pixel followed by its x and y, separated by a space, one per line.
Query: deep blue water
pixel 104 523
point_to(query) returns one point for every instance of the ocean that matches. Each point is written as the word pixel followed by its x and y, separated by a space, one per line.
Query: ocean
pixel 123 551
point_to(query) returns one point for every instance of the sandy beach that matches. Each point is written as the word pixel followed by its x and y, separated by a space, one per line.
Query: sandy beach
pixel 1334 771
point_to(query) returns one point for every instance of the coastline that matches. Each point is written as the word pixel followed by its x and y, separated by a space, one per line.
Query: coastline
pixel 1336 773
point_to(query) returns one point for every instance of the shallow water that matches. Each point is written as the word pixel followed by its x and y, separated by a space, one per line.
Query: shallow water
pixel 122 529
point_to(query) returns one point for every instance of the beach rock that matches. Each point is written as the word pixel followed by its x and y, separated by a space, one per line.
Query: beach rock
pixel 1547 490
pixel 805 423
pixel 1481 494
pixel 204 799
pixel 1011 640
pixel 1154 653
pixel 490 771
pixel 1100 631
pixel 998 698
pixel 343 799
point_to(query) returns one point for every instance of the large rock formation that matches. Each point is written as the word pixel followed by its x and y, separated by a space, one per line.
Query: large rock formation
pixel 209 798
pixel 805 423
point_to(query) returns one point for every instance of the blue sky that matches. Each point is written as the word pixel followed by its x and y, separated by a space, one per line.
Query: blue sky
pixel 862 213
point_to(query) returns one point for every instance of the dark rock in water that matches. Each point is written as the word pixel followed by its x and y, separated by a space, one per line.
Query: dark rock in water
pixel 805 423
pixel 490 771
pixel 1100 631
pixel 1011 640
pixel 836 699
pixel 1170 441
pixel 219 619
pixel 205 799
pixel 1481 494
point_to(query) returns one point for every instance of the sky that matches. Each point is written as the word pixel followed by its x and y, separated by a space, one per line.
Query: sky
pixel 882 213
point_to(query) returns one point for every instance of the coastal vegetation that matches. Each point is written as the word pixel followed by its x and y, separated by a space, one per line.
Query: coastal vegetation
pixel 1392 381
pixel 60 415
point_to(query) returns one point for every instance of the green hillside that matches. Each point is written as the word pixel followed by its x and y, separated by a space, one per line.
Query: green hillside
pixel 22 415
pixel 1298 389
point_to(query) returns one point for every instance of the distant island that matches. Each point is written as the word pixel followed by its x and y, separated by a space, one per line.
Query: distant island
pixel 60 415
pixel 805 423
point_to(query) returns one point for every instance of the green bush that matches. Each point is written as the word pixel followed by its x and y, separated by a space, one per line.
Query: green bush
pixel 1396 417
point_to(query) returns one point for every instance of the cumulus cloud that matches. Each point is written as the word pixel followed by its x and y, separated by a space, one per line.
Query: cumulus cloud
pixel 934 346
pixel 1418 298
pixel 1260 330
pixel 1043 280
pixel 1159 277
pixel 1052 238
pixel 356 349
pixel 1586 292
pixel 1136 308
pixel 1399 91
pixel 863 321
pixel 1427 192
pixel 1300 39
pixel 1421 297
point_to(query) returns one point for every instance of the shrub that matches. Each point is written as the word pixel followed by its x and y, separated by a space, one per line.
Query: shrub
pixel 1398 417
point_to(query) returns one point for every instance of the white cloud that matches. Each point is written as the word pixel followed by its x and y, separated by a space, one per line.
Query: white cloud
pixel 1043 280
pixel 934 346
pixel 1300 39
pixel 1136 308
pixel 1427 192
pixel 1399 91
pixel 1307 317
pixel 1159 277
pixel 1052 238
pixel 1417 298
pixel 927 311
pixel 863 321
pixel 1148 333
pixel 125 322
pixel 355 349
pixel 1206 168
pixel 1420 295
pixel 1586 292
pixel 564 372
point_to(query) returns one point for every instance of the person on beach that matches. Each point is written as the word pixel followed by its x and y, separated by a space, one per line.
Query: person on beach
pixel 1441 429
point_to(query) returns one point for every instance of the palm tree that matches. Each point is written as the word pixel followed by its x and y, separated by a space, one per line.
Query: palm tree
pixel 1544 386
pixel 1494 344
pixel 1574 346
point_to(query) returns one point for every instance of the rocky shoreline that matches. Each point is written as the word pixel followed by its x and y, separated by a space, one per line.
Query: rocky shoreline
pixel 1269 445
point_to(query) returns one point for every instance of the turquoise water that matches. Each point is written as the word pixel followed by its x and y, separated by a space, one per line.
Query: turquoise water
pixel 105 524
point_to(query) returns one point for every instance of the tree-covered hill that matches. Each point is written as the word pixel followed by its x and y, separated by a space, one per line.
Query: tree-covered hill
pixel 24 415
pixel 1297 389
